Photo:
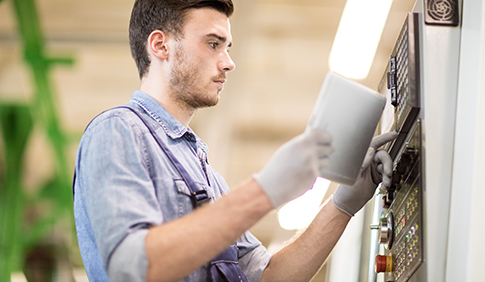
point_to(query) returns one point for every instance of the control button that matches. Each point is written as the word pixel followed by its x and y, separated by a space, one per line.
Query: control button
pixel 411 151
pixel 391 80
pixel 383 264
pixel 394 101
pixel 392 63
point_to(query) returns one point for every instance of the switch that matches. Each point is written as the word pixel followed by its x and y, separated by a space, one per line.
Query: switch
pixel 394 98
pixel 388 199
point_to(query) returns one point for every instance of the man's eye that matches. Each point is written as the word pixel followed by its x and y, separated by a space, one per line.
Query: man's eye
pixel 213 45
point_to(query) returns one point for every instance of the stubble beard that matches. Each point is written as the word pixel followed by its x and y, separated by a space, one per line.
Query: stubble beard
pixel 185 84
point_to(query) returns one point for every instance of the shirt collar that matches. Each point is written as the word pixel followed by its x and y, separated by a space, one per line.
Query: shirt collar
pixel 172 127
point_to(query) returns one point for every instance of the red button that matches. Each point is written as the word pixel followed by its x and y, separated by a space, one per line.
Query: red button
pixel 383 264
pixel 380 264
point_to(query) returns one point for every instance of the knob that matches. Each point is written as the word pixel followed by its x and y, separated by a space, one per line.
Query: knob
pixel 385 231
pixel 383 264
pixel 386 234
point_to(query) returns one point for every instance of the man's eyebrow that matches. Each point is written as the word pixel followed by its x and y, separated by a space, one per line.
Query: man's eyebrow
pixel 218 37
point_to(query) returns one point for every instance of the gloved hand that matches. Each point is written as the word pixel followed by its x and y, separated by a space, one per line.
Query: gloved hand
pixel 294 167
pixel 376 168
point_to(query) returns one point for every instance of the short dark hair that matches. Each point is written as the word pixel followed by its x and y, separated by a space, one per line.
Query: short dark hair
pixel 167 16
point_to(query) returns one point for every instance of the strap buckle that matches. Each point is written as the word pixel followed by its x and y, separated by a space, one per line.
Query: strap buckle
pixel 199 198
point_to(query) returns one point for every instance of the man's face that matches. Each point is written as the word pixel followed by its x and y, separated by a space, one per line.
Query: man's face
pixel 201 59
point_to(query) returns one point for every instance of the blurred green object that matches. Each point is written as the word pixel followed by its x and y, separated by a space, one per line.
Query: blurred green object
pixel 16 123
pixel 18 238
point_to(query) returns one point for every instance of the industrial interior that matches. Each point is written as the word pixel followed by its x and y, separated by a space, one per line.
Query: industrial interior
pixel 63 62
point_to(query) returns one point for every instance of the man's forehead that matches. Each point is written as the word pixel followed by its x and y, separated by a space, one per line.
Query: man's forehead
pixel 208 22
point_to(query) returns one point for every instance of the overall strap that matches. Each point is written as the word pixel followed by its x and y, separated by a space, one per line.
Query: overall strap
pixel 225 267
pixel 198 197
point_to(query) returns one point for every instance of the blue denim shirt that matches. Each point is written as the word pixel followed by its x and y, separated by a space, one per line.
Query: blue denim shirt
pixel 125 184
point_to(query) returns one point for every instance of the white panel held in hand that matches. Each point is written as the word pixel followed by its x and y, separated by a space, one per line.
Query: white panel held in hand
pixel 349 111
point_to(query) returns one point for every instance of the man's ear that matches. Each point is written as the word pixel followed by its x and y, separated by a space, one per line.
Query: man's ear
pixel 157 44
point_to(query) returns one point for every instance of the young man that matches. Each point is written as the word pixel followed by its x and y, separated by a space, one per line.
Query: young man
pixel 142 175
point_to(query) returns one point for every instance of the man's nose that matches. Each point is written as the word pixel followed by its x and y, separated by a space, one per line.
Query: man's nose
pixel 227 64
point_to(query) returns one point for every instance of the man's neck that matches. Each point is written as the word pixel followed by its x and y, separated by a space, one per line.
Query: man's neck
pixel 161 95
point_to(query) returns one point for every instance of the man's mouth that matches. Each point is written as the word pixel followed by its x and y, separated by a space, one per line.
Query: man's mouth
pixel 220 81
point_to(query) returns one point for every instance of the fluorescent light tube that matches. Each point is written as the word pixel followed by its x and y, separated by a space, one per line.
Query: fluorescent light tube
pixel 299 213
pixel 358 36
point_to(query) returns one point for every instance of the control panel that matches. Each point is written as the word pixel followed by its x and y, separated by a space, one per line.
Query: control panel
pixel 403 79
pixel 400 228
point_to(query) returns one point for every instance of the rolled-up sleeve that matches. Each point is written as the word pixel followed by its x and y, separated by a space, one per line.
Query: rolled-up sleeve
pixel 128 262
pixel 118 194
pixel 253 257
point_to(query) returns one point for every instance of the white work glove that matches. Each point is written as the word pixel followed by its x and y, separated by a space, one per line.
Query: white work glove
pixel 376 168
pixel 294 167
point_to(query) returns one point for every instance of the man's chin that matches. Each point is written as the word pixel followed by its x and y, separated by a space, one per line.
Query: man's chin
pixel 213 103
pixel 208 103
